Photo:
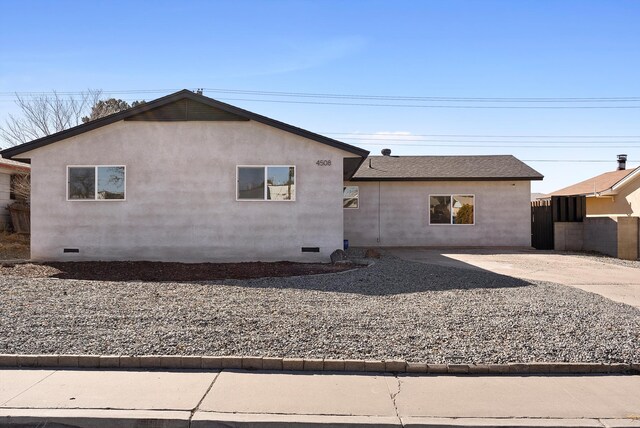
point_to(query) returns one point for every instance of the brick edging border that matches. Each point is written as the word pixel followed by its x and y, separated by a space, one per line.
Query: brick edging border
pixel 304 364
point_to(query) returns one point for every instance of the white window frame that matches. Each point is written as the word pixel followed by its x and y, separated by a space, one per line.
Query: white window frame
pixel 264 197
pixel 95 186
pixel 451 195
pixel 358 198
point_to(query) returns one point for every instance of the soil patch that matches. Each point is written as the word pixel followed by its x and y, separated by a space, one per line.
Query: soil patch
pixel 14 246
pixel 163 271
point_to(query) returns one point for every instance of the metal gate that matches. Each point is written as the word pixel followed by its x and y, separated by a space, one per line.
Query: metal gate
pixel 557 209
pixel 541 225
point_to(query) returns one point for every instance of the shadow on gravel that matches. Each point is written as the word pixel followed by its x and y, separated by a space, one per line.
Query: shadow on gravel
pixel 167 271
pixel 392 276
pixel 388 276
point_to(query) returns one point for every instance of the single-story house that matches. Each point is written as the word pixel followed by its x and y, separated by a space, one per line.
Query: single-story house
pixel 611 194
pixel 443 201
pixel 189 178
pixel 9 171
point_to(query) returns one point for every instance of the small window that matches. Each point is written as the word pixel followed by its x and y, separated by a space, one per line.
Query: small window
pixel 451 209
pixel 350 197
pixel 96 183
pixel 266 183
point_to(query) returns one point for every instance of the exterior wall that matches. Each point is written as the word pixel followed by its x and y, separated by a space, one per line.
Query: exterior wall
pixel 568 236
pixel 181 195
pixel 5 200
pixel 625 203
pixel 599 234
pixel 397 214
pixel 628 238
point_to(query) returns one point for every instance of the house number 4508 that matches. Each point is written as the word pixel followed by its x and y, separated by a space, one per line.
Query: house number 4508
pixel 323 162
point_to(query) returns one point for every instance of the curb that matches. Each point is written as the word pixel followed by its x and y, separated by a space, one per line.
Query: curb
pixel 199 419
pixel 195 362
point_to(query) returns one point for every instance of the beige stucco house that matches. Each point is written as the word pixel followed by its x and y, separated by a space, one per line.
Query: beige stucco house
pixel 611 194
pixel 440 201
pixel 188 178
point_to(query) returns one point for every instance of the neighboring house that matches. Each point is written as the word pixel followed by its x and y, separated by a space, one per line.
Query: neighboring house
pixel 9 169
pixel 612 194
pixel 188 178
pixel 462 201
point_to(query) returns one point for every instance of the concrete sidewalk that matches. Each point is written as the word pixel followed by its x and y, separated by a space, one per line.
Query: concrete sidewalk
pixel 118 398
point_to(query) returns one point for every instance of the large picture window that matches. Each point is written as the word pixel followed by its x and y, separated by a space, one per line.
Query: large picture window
pixel 266 183
pixel 96 183
pixel 451 209
pixel 350 197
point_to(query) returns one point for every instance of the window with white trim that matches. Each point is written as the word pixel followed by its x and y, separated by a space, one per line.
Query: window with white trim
pixel 452 209
pixel 96 182
pixel 350 197
pixel 266 183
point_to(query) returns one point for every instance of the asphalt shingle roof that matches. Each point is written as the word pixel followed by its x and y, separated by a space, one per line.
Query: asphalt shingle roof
pixel 441 168
pixel 597 184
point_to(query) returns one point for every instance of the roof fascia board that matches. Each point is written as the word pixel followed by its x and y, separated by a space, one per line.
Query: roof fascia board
pixel 626 180
pixel 94 124
pixel 446 178
pixel 281 125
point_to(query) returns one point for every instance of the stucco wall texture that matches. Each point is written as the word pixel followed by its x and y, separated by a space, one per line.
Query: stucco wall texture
pixel 397 214
pixel 181 195
pixel 625 203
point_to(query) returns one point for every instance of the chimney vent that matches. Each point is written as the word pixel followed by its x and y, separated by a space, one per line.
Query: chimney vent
pixel 622 162
pixel 386 152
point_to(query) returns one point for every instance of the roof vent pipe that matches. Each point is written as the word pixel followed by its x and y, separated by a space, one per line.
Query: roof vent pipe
pixel 622 162
pixel 386 152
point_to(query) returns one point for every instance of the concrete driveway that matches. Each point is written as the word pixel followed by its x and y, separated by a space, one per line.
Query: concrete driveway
pixel 619 283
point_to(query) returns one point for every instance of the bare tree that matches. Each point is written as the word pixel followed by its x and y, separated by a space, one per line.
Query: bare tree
pixel 46 114
pixel 21 186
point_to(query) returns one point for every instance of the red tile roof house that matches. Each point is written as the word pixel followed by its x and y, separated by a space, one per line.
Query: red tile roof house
pixel 8 170
pixel 188 178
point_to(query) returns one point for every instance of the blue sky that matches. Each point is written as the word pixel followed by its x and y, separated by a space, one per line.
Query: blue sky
pixel 467 49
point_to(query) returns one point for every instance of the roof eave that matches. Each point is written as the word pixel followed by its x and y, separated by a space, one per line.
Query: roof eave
pixel 107 120
pixel 536 178
pixel 626 179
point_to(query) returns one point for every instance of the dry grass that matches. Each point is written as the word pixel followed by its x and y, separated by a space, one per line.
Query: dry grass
pixel 13 246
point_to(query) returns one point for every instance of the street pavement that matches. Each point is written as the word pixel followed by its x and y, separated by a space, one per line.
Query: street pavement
pixel 236 398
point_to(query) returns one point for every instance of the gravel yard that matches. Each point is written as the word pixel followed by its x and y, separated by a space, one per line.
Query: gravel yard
pixel 597 257
pixel 393 309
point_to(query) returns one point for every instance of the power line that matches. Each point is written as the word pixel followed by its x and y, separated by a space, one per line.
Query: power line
pixel 378 134
pixel 497 146
pixel 394 140
pixel 434 106
pixel 430 105
pixel 572 160
pixel 349 96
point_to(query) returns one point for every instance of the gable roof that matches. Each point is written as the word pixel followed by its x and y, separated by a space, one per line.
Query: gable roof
pixel 159 109
pixel 441 168
pixel 596 185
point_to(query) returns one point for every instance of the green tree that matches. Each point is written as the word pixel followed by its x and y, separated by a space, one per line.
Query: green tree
pixel 465 214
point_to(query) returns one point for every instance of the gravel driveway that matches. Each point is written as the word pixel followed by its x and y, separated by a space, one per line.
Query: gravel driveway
pixel 394 309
